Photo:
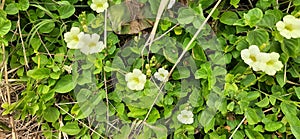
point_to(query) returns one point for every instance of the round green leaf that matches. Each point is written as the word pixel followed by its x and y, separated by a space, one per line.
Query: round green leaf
pixel 235 3
pixel 229 18
pixel 39 73
pixel 66 10
pixel 263 103
pixel 253 17
pixel 186 16
pixel 71 128
pixel 65 84
pixel 5 25
pixel 47 28
pixel 11 9
pixel 258 37
pixel 23 5
pixel 51 114
pixel 273 126
pixel 171 53
pixel 252 116
pixel 291 47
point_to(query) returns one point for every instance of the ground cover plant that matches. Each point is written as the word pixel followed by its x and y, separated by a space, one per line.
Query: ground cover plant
pixel 150 69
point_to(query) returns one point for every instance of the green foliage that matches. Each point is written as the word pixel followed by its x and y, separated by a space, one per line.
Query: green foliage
pixel 95 94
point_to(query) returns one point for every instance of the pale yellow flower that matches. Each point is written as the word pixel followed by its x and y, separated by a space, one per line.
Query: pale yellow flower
pixel 135 80
pixel 161 75
pixel 251 57
pixel 289 27
pixel 72 38
pixel 99 5
pixel 270 63
pixel 90 44
pixel 186 117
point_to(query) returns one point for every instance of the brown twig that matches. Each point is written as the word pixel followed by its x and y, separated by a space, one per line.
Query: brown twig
pixel 11 119
pixel 22 41
pixel 2 4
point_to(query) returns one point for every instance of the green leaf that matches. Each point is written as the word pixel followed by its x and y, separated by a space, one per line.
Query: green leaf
pixel 35 43
pixel 206 3
pixel 39 73
pixel 11 9
pixel 251 116
pixel 124 132
pixel 198 53
pixel 280 79
pixel 181 73
pixel 194 98
pixel 258 37
pixel 171 53
pixel 153 116
pixel 186 16
pixel 230 106
pixel 290 111
pixel 206 117
pixel 273 126
pixel 33 109
pixel 204 72
pixel 264 4
pixel 66 10
pixel 85 110
pixel 291 47
pixel 23 5
pixel 136 112
pixel 229 18
pixel 249 80
pixel 253 134
pixel 71 128
pixel 296 2
pixel 47 27
pixel 154 5
pixel 263 103
pixel 65 84
pixel 40 59
pixel 271 17
pixel 234 3
pixel 160 131
pixel 252 95
pixel 51 114
pixel 297 91
pixel 85 77
pixel 253 17
pixel 5 26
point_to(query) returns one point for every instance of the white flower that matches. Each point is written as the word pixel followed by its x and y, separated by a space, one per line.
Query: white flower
pixel 251 57
pixel 135 80
pixel 185 117
pixel 270 63
pixel 161 75
pixel 90 44
pixel 289 27
pixel 171 3
pixel 72 38
pixel 99 5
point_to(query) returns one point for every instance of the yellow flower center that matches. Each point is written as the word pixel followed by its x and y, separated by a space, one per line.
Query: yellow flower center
pixel 270 62
pixel 288 27
pixel 253 58
pixel 185 116
pixel 92 44
pixel 136 79
pixel 99 5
